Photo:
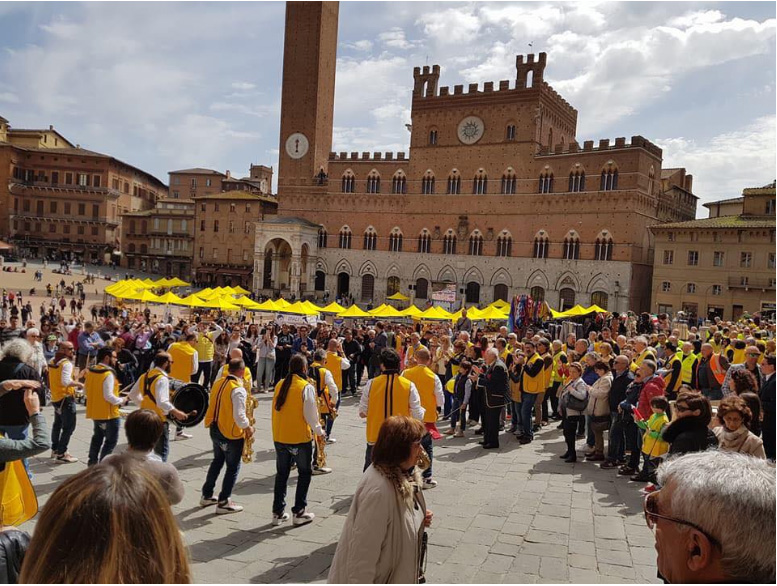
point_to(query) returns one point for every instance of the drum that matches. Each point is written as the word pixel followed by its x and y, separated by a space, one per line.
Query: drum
pixel 188 398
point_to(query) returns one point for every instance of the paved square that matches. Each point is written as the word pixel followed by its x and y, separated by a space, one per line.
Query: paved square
pixel 517 514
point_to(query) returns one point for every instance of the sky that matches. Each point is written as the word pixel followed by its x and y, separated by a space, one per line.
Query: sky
pixel 166 86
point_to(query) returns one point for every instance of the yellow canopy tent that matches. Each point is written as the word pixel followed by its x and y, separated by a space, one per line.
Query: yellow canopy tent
pixel 333 307
pixel 311 306
pixel 473 313
pixel 117 289
pixel 354 311
pixel 281 303
pixel 222 303
pixel 492 313
pixel 144 296
pixel 170 297
pixel 299 309
pixel 411 311
pixel 377 309
pixel 227 290
pixel 148 282
pixel 190 301
pixel 269 306
pixel 576 311
pixel 398 297
pixel 501 305
pixel 456 315
pixel 240 290
pixel 386 311
pixel 243 301
pixel 176 282
pixel 164 282
pixel 435 312
pixel 596 309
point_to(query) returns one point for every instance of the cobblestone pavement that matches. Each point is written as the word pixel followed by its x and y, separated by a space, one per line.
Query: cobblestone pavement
pixel 517 514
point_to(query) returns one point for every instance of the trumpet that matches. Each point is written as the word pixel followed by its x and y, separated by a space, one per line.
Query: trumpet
pixel 248 443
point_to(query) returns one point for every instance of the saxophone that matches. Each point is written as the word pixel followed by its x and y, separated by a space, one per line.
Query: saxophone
pixel 320 439
pixel 248 443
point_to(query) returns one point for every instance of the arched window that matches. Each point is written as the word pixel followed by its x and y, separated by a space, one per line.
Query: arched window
pixel 454 184
pixel 510 132
pixel 322 238
pixel 143 227
pixel 537 294
pixel 504 245
pixel 132 247
pixel 567 298
pixel 345 238
pixel 425 242
pixel 373 182
pixel 541 245
pixel 500 292
pixel 392 285
pixel 395 241
pixel 604 245
pixel 421 289
pixel 599 298
pixel 691 288
pixel 399 183
pixel 432 137
pixel 577 181
pixel 320 283
pixel 571 246
pixel 427 183
pixel 609 180
pixel 651 179
pixel 546 182
pixel 348 182
pixel 132 227
pixel 370 239
pixel 449 243
pixel 368 287
pixel 508 182
pixel 343 284
pixel 472 292
pixel 476 244
pixel 143 249
pixel 480 184
pixel 550 137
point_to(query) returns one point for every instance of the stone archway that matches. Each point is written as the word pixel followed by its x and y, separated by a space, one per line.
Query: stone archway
pixel 277 264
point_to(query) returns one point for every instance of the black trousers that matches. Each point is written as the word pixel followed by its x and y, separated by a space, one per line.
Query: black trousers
pixel 476 404
pixel 570 429
pixel 490 418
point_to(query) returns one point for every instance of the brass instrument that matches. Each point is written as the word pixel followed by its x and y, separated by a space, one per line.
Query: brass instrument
pixel 423 460
pixel 248 442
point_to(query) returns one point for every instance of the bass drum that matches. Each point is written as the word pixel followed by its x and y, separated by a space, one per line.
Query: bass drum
pixel 189 398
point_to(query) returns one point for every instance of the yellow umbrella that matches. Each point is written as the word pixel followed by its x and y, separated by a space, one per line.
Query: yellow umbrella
pixel 299 309
pixel 269 306
pixel 221 303
pixel 354 311
pixel 240 290
pixel 411 311
pixel 170 297
pixel 333 307
pixel 281 303
pixel 398 297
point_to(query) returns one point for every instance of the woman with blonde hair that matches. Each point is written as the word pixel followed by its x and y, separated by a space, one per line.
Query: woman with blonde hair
pixel 132 535
pixel 382 541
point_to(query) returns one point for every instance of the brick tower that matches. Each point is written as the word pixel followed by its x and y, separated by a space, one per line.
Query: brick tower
pixel 307 99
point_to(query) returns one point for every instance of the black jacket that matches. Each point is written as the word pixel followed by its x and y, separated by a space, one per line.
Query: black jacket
pixel 618 390
pixel 689 434
pixel 767 406
pixel 12 409
pixel 495 382
pixel 13 545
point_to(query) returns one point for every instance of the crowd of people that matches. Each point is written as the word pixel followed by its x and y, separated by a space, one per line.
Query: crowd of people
pixel 632 400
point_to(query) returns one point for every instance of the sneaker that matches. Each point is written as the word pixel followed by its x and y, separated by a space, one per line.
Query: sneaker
pixel 228 507
pixel 331 440
pixel 429 483
pixel 626 471
pixel 595 458
pixel 640 477
pixel 607 464
pixel 525 440
pixel 54 454
pixel 302 518
pixel 208 501
pixel 320 471
pixel 67 458
pixel 278 519
pixel 450 431
pixel 459 433
pixel 182 435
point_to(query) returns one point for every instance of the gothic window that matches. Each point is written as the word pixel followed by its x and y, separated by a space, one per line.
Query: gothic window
pixel 476 244
pixel 576 181
pixel 454 184
pixel 541 246
pixel 399 183
pixel 537 294
pixel 504 245
pixel 432 137
pixel 348 182
pixel 651 179
pixel 322 238
pixel 373 183
pixel 508 183
pixel 472 292
pixel 345 237
pixel 600 298
pixel 421 288
pixel 370 239
pixel 603 248
pixel 392 285
pixel 395 241
pixel 609 179
pixel 480 184
pixel 546 183
pixel 427 183
pixel 425 242
pixel 368 287
pixel 501 291
pixel 449 243
pixel 572 246
pixel 510 132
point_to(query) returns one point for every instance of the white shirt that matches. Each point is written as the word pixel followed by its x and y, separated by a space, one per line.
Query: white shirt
pixel 108 384
pixel 195 362
pixel 310 409
pixel 161 393
pixel 415 401
pixel 329 381
pixel 66 374
pixel 438 392
pixel 239 407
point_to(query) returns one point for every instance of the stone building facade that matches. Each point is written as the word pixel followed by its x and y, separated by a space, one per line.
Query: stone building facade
pixel 721 266
pixel 495 194
pixel 58 200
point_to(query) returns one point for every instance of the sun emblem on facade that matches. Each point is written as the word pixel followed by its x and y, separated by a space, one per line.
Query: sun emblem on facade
pixel 470 130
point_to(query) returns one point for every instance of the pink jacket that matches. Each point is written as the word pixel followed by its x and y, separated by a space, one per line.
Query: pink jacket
pixel 652 388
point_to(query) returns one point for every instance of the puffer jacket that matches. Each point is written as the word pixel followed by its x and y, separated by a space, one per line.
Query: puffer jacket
pixel 599 404
pixel 654 387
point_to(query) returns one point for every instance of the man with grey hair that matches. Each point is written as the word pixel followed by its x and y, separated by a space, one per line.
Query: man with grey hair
pixel 494 380
pixel 714 519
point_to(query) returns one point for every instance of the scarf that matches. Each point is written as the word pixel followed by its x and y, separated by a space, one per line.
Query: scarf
pixel 732 441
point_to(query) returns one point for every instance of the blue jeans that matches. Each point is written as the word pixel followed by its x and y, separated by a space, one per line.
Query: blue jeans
pixel 225 451
pixel 329 420
pixel 458 413
pixel 616 450
pixel 349 379
pixel 515 412
pixel 265 371
pixel 162 447
pixel 104 439
pixel 527 413
pixel 64 424
pixel 285 454
pixel 426 444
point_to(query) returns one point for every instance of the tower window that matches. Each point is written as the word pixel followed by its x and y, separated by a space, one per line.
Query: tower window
pixel 395 241
pixel 476 245
pixel 480 184
pixel 571 248
pixel 432 137
pixel 370 240
pixel 449 244
pixel 603 249
pixel 399 184
pixel 504 245
pixel 322 238
pixel 508 183
pixel 546 183
pixel 609 180
pixel 510 132
pixel 577 181
pixel 348 183
pixel 427 184
pixel 424 242
pixel 541 247
pixel 454 185
pixel 373 183
pixel 345 238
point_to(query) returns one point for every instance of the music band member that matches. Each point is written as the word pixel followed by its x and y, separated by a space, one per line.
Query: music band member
pixel 152 391
pixel 247 379
pixel 185 366
pixel 63 389
pixel 102 405
pixel 229 427
pixel 294 421
pixel 386 395
pixel 336 363
pixel 327 396
pixel 206 351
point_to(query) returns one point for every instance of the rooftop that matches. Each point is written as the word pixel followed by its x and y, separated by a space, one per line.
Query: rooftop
pixel 291 220
pixel 237 195
pixel 724 201
pixel 720 222
pixel 198 171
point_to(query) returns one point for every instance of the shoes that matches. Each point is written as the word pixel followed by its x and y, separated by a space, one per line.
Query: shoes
pixel 302 518
pixel 182 435
pixel 649 488
pixel 544 424
pixel 580 436
pixel 490 446
pixel 571 459
pixel 228 507
pixel 589 453
pixel 565 455
pixel 278 519
pixel 208 501
pixel 482 442
pixel 640 477
pixel 595 458
pixel 458 433
pixel 608 464
pixel 450 431
pixel 54 454
pixel 429 483
pixel 501 428
pixel 67 458
pixel 535 427
pixel 525 440
pixel 479 431
pixel 471 422
pixel 331 440
pixel 560 426
pixel 513 429
pixel 626 471
pixel 320 471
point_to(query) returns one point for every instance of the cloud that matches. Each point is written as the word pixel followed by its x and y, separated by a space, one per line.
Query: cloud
pixel 243 85
pixel 9 97
pixel 395 39
pixel 362 45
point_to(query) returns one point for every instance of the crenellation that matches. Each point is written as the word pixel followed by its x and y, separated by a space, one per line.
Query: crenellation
pixel 488 87
pixel 472 88
pixel 588 145
pixel 377 156
pixel 620 142
pixel 444 90
pixel 458 89
pixel 604 143
pixel 504 85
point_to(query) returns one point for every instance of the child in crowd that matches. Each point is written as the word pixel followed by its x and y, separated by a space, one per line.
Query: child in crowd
pixel 653 446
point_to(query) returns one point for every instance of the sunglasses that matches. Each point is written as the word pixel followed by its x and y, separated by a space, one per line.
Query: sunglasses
pixel 650 508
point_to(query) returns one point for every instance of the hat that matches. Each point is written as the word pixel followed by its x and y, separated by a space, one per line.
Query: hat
pixel 51 338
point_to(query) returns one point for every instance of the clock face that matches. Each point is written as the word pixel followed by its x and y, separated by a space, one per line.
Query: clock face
pixel 297 145
pixel 470 130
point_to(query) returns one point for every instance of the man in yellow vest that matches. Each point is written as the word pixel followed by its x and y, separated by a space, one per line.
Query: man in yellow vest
pixel 295 419
pixel 558 377
pixel 327 396
pixel 336 363
pixel 674 371
pixel 102 405
pixel 152 391
pixel 229 428
pixel 184 368
pixel 206 350
pixel 386 395
pixel 415 344
pixel 541 406
pixel 63 389
pixel 643 352
pixel 532 386
pixel 247 380
pixel 690 361
pixel 432 399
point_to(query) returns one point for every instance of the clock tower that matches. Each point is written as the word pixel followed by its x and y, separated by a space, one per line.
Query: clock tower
pixel 307 95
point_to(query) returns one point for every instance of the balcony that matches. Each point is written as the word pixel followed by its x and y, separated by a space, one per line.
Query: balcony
pixel 751 283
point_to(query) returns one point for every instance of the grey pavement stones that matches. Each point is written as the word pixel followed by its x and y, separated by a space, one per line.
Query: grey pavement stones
pixel 513 515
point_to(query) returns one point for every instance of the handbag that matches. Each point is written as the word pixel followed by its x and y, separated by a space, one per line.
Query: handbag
pixel 571 402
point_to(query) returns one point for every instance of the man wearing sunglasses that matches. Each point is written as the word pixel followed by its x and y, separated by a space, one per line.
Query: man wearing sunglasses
pixel 713 519
pixel 752 356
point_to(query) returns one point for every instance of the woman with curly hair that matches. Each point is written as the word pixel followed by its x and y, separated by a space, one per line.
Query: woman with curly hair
pixel 382 538
pixel 744 381
pixel 733 434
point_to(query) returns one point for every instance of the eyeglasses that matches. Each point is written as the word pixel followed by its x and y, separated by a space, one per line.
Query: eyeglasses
pixel 650 508
pixel 753 355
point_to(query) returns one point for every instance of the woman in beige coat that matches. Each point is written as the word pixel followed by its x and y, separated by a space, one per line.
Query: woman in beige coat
pixel 599 410
pixel 382 538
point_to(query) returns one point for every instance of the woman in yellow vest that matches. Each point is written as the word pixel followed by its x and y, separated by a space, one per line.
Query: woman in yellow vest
pixel 558 378
pixel 674 368
pixel 229 426
pixel 294 421
pixel 102 405
pixel 63 389
pixel 430 391
pixel 541 406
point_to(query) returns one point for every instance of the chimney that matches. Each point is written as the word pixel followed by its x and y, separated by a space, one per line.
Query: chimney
pixel 229 175
pixel 51 127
